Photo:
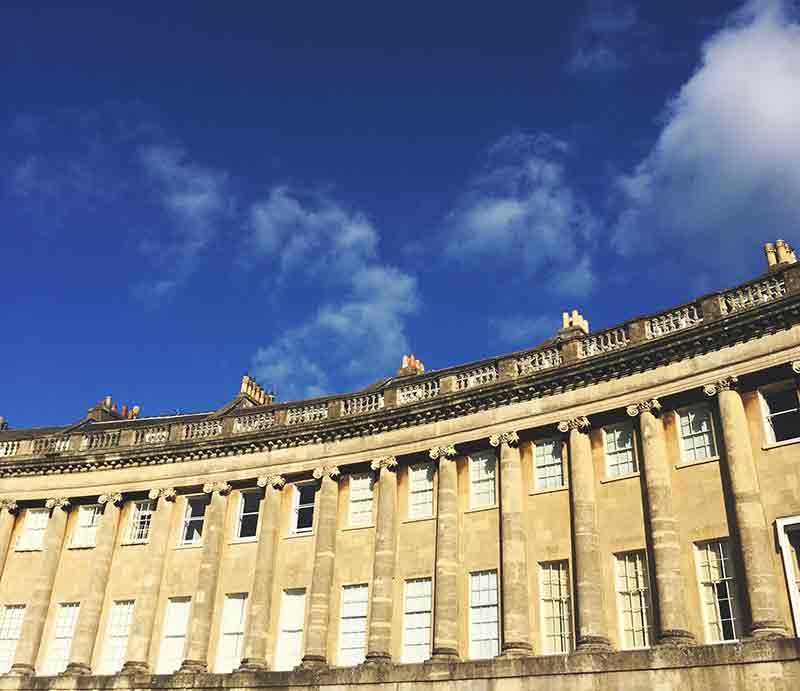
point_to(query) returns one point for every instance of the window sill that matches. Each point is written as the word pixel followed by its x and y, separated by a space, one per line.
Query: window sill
pixel 194 545
pixel 481 508
pixel 134 543
pixel 243 540
pixel 81 547
pixel 690 464
pixel 293 536
pixel 418 519
pixel 549 490
pixel 359 527
pixel 777 444
pixel 28 549
pixel 629 476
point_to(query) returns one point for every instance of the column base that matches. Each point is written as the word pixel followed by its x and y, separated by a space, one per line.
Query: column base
pixel 594 644
pixel 313 662
pixel 76 669
pixel 378 659
pixel 251 664
pixel 516 649
pixel 134 667
pixel 192 667
pixel 676 637
pixel 768 628
pixel 443 655
pixel 21 670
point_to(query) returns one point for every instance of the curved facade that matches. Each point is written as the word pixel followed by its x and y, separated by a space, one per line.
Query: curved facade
pixel 618 509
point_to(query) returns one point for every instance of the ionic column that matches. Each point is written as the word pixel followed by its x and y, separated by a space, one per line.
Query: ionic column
pixel 592 635
pixel 36 611
pixel 259 614
pixel 198 633
pixel 514 567
pixel 80 658
pixel 8 512
pixel 379 643
pixel 673 628
pixel 316 653
pixel 754 538
pixel 445 602
pixel 146 605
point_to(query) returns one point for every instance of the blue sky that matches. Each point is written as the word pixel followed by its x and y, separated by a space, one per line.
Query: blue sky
pixel 306 192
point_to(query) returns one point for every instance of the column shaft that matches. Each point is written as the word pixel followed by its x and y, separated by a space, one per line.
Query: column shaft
pixel 8 510
pixel 259 615
pixel 36 612
pixel 146 605
pixel 316 652
pixel 445 603
pixel 80 659
pixel 202 608
pixel 754 538
pixel 380 620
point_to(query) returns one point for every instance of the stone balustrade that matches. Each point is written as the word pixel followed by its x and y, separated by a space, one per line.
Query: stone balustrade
pixel 51 445
pixel 151 435
pixel 360 405
pixel 752 294
pixel 9 448
pixel 422 391
pixel 203 429
pixel 307 413
pixel 537 360
pixel 485 374
pixel 101 440
pixel 603 342
pixel 254 423
pixel 672 321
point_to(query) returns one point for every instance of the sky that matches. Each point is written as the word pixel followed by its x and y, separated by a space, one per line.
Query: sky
pixel 306 191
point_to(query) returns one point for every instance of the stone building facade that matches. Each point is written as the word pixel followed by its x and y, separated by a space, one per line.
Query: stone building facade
pixel 612 509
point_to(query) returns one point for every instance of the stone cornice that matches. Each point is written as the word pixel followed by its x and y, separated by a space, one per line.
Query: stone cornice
pixel 702 338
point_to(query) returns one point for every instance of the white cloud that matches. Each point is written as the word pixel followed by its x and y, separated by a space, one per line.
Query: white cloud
pixel 523 206
pixel 724 171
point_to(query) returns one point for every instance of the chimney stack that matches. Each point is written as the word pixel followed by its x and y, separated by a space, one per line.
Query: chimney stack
pixel 3 423
pixel 573 322
pixel 409 365
pixel 779 254
pixel 253 390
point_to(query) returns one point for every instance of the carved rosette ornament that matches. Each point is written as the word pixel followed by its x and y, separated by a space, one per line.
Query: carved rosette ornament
pixel 58 503
pixel 579 423
pixel 796 366
pixel 222 488
pixel 444 452
pixel 274 481
pixel 9 505
pixel 508 438
pixel 388 462
pixel 330 471
pixel 113 497
pixel 725 384
pixel 166 493
pixel 650 405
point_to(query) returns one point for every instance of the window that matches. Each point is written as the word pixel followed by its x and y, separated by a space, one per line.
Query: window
pixel 247 523
pixel 119 625
pixel 361 499
pixel 10 626
pixel 417 620
pixel 549 464
pixel 139 525
pixel 633 598
pixel 481 479
pixel 63 631
pixel 231 638
pixel 304 507
pixel 555 608
pixel 620 457
pixel 789 541
pixel 176 621
pixel 193 518
pixel 32 535
pixel 86 530
pixel 420 490
pixel 697 434
pixel 484 633
pixel 289 649
pixel 717 591
pixel 781 413
pixel 353 629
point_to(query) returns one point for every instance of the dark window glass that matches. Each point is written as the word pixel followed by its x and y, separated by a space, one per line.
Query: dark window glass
pixel 305 506
pixel 195 514
pixel 248 519
pixel 784 415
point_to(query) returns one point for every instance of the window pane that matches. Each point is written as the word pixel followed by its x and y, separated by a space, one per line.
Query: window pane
pixel 718 589
pixel 353 626
pixel 289 650
pixel 549 465
pixel 176 621
pixel 555 606
pixel 482 479
pixel 116 643
pixel 11 617
pixel 231 633
pixel 249 504
pixel 620 456
pixel 783 416
pixel 63 631
pixel 484 635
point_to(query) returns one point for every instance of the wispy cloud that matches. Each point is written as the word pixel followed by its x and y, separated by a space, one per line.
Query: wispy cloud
pixel 523 206
pixel 724 167
pixel 522 330
pixel 602 40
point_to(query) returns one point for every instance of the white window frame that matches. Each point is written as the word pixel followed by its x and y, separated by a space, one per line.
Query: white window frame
pixel 284 647
pixel 540 483
pixel 31 537
pixel 168 634
pixel 634 598
pixel 11 619
pixel 418 488
pixel 141 514
pixel 350 621
pixel 679 415
pixel 240 514
pixel 609 474
pixel 474 460
pixel 118 629
pixel 784 527
pixel 555 603
pixel 359 519
pixel 231 633
pixel 414 611
pixel 61 638
pixel 766 415
pixel 87 521
pixel 732 587
pixel 182 542
pixel 296 507
pixel 474 608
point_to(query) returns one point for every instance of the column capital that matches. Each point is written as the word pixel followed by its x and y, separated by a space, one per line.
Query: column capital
pixel 442 452
pixel 166 493
pixel 580 423
pixel 388 462
pixel 274 481
pixel 330 471
pixel 649 405
pixel 9 505
pixel 58 503
pixel 510 438
pixel 796 366
pixel 222 488
pixel 115 498
pixel 725 384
